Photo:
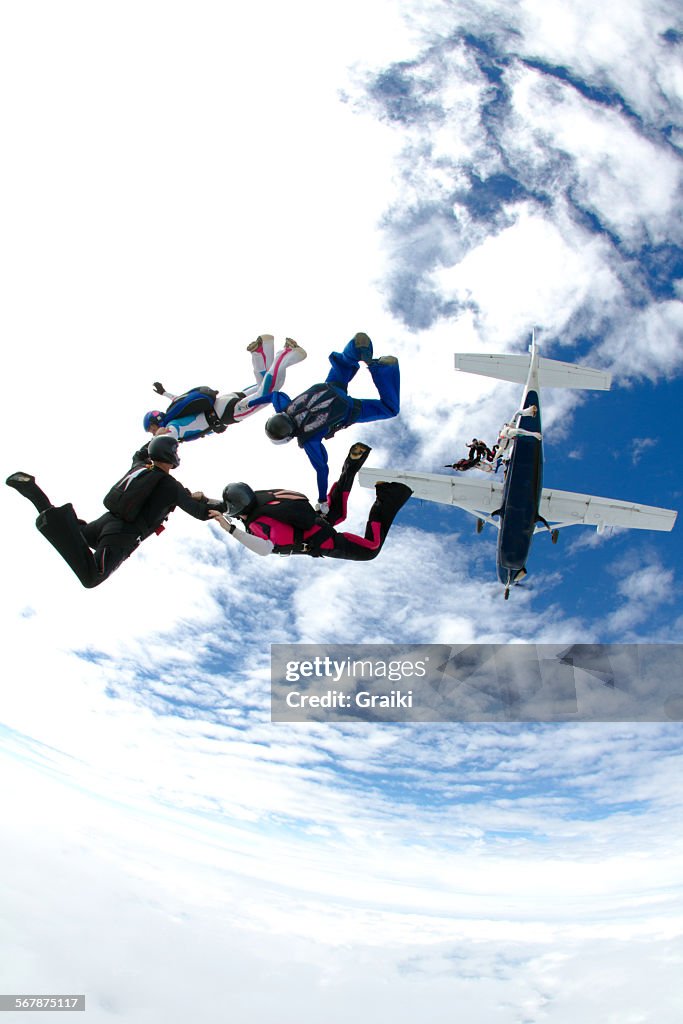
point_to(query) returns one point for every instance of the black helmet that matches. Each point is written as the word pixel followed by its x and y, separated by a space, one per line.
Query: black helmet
pixel 164 448
pixel 238 498
pixel 280 427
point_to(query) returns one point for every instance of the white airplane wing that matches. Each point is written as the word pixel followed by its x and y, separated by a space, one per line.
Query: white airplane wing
pixel 564 508
pixel 480 495
pixel 477 493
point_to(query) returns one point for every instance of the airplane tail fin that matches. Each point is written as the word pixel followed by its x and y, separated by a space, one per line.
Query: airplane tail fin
pixel 552 373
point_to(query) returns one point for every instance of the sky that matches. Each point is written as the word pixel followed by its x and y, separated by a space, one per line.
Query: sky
pixel 445 176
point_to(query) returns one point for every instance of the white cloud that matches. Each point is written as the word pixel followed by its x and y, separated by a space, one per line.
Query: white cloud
pixel 178 182
pixel 632 182
pixel 648 344
pixel 533 273
pixel 645 588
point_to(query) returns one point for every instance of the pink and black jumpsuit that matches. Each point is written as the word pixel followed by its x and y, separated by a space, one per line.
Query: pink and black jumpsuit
pixel 321 540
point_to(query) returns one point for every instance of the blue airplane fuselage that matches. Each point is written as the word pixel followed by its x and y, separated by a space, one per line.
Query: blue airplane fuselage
pixel 521 497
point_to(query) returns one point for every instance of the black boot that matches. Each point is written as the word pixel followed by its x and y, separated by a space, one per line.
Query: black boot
pixel 27 486
pixel 339 492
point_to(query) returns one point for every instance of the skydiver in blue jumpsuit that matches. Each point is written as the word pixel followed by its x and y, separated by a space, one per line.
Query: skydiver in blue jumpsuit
pixel 319 412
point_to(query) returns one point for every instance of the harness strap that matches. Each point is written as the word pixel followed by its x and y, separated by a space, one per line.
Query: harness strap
pixel 311 545
pixel 220 423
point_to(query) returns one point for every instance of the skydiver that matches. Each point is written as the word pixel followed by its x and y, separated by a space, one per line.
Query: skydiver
pixel 509 431
pixel 213 413
pixel 285 523
pixel 478 451
pixel 150 493
pixel 323 409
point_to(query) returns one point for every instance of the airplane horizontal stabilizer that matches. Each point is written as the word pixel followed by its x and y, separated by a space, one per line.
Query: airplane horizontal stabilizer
pixel 552 373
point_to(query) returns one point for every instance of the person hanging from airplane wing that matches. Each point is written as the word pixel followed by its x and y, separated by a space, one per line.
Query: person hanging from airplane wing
pixel 319 412
pixel 137 506
pixel 285 523
pixel 202 410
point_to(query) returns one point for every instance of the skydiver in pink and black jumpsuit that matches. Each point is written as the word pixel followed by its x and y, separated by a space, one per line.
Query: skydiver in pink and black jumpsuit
pixel 284 522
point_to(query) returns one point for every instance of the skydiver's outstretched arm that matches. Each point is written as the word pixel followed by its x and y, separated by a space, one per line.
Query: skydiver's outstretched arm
pixel 317 453
pixel 161 390
pixel 531 410
pixel 259 545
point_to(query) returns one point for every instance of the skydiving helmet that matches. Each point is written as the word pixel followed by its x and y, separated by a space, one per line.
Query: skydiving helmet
pixel 280 428
pixel 164 448
pixel 238 498
pixel 154 418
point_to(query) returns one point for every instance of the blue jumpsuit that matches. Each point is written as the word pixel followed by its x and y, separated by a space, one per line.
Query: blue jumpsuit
pixel 329 408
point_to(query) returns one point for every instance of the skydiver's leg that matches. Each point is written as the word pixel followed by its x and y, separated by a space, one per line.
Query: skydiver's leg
pixel 72 538
pixel 345 365
pixel 531 410
pixel 110 553
pixel 338 497
pixel 279 364
pixel 61 528
pixel 391 497
pixel 26 485
pixel 67 535
pixel 387 379
pixel 261 354
pixel 513 432
pixel 272 379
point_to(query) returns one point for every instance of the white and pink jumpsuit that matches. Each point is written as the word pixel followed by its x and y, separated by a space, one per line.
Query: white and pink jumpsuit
pixel 269 371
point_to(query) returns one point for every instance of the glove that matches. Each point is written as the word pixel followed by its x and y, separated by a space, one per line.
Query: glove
pixel 141 455
pixel 322 507
pixel 216 506
pixel 159 388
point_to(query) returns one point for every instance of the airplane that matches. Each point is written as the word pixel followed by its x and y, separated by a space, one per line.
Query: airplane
pixel 519 506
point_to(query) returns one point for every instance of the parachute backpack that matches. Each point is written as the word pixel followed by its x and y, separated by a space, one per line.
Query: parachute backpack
pixel 322 406
pixel 295 510
pixel 289 507
pixel 129 494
